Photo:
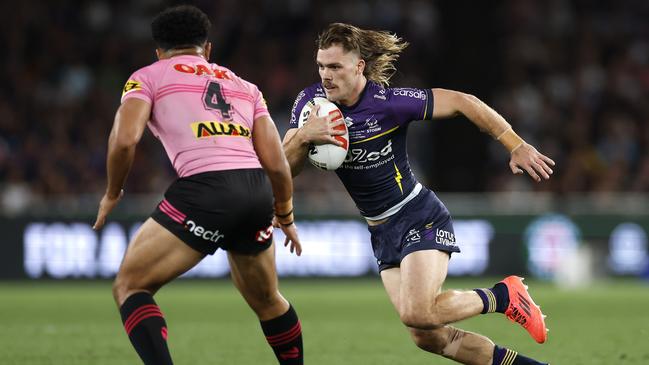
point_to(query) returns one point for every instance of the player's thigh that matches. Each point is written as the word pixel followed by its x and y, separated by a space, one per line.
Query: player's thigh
pixel 255 276
pixel 422 275
pixel 391 279
pixel 153 258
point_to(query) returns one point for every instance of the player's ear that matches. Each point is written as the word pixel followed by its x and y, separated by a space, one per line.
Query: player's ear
pixel 360 67
pixel 158 53
pixel 208 50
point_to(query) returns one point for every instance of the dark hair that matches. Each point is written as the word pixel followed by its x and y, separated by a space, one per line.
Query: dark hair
pixel 180 26
pixel 379 49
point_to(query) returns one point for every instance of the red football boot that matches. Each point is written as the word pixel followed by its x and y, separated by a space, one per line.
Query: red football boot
pixel 523 310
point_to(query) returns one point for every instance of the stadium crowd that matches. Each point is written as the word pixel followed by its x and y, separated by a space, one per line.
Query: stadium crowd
pixel 571 76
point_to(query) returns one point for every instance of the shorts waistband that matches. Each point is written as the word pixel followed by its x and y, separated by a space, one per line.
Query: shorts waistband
pixel 395 208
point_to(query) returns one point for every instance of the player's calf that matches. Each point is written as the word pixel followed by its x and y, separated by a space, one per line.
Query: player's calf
pixel 467 347
pixel 284 335
pixel 146 328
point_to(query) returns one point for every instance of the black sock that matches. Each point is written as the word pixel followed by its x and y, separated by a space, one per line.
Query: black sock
pixel 284 335
pixel 146 328
pixel 504 356
pixel 495 299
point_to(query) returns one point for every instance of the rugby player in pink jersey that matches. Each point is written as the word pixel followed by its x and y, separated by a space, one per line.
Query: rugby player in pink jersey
pixel 234 186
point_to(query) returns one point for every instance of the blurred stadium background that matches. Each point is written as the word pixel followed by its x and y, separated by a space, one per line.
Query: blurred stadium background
pixel 572 76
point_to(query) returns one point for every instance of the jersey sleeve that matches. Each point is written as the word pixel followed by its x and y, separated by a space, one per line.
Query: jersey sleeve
pixel 261 108
pixel 138 86
pixel 410 104
pixel 300 102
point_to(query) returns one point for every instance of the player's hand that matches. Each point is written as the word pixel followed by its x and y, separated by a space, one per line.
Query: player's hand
pixel 290 231
pixel 321 130
pixel 527 159
pixel 106 206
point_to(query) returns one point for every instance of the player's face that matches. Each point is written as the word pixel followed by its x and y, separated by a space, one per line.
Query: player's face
pixel 341 73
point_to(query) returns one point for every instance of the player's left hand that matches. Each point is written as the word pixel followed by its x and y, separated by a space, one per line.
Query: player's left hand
pixel 106 206
pixel 527 159
pixel 291 236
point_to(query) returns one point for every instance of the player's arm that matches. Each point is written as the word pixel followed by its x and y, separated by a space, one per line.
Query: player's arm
pixel 268 147
pixel 295 147
pixel 316 130
pixel 128 127
pixel 524 156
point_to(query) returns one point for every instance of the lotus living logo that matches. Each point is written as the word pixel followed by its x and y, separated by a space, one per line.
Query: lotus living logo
pixel 206 129
pixel 445 238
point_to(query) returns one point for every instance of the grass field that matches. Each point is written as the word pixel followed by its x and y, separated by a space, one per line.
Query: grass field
pixel 344 322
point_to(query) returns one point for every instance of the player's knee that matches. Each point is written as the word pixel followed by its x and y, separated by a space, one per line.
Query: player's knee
pixel 126 285
pixel 429 340
pixel 119 290
pixel 420 318
pixel 264 299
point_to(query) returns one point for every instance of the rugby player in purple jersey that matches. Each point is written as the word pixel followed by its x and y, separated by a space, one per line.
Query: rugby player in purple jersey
pixel 411 229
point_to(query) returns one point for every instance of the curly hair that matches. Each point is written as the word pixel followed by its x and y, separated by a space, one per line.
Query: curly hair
pixel 179 27
pixel 379 49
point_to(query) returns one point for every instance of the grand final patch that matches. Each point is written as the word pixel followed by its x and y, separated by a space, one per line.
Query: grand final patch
pixel 214 128
pixel 131 85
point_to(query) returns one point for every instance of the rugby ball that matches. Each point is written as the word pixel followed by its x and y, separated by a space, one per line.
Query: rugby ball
pixel 326 156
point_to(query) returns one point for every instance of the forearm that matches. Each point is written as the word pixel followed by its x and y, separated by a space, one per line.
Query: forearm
pixel 118 165
pixel 296 149
pixel 490 121
pixel 282 185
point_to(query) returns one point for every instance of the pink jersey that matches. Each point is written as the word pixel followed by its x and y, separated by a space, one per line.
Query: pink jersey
pixel 201 112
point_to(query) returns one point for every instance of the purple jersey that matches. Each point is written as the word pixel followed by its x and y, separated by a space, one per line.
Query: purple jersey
pixel 376 171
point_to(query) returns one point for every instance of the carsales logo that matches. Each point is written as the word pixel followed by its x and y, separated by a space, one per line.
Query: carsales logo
pixel 411 93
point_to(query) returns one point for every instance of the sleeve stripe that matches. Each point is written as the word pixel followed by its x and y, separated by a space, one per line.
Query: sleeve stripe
pixel 428 108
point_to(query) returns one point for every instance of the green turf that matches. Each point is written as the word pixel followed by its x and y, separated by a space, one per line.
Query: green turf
pixel 344 322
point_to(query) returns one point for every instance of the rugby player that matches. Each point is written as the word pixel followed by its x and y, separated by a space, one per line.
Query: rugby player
pixel 234 185
pixel 411 229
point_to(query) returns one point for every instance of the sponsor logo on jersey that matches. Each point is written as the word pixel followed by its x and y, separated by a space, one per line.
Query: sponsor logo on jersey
pixel 445 238
pixel 410 93
pixel 362 155
pixel 200 69
pixel 300 96
pixel 200 231
pixel 206 129
pixel 131 85
pixel 380 95
pixel 372 125
pixel 413 237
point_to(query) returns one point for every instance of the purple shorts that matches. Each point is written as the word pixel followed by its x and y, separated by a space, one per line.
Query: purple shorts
pixel 423 223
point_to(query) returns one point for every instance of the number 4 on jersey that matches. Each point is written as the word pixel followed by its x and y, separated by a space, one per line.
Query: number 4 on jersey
pixel 214 99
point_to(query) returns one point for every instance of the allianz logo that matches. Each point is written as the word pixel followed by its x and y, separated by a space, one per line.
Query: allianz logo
pixel 199 231
pixel 362 155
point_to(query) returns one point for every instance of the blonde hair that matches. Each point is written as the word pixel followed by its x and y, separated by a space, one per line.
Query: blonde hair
pixel 379 49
